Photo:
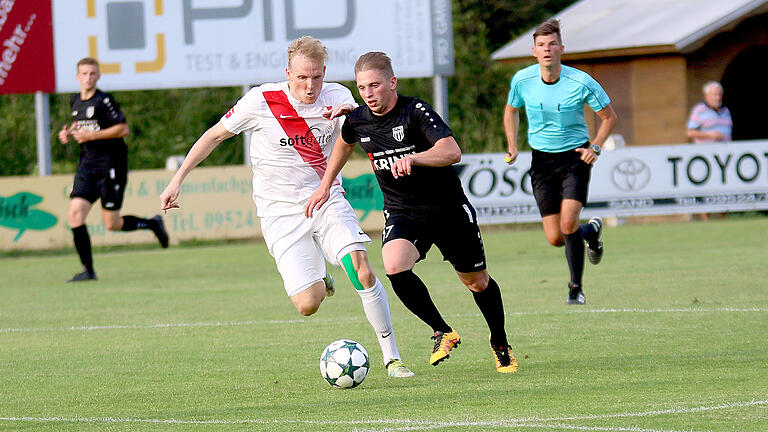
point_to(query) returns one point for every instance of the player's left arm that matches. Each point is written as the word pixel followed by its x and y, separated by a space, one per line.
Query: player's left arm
pixel 445 152
pixel 608 120
pixel 339 110
pixel 343 102
pixel 119 130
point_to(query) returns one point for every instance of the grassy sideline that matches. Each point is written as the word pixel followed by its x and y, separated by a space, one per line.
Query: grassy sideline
pixel 674 337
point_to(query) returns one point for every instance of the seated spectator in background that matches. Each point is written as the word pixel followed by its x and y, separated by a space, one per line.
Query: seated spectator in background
pixel 710 121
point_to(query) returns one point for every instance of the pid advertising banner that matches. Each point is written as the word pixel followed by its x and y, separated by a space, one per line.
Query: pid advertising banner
pixel 26 53
pixel 637 181
pixel 146 44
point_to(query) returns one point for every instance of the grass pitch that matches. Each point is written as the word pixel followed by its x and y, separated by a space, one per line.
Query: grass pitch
pixel 674 337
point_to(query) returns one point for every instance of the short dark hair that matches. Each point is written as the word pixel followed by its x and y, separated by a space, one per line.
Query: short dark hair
pixel 88 61
pixel 374 60
pixel 548 27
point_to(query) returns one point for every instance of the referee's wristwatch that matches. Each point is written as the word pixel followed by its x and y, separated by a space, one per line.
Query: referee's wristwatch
pixel 595 148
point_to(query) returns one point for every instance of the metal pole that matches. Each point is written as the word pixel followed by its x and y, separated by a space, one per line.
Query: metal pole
pixel 43 124
pixel 440 92
pixel 246 137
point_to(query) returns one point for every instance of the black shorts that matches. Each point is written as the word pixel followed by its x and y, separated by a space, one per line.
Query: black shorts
pixel 454 232
pixel 557 176
pixel 103 179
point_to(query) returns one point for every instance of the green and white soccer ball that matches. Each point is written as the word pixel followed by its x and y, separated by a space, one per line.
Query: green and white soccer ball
pixel 344 363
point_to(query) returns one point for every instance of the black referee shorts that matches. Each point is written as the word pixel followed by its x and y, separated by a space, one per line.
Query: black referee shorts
pixel 101 180
pixel 455 232
pixel 557 176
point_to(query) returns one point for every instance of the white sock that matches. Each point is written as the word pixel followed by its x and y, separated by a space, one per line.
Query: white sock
pixel 376 306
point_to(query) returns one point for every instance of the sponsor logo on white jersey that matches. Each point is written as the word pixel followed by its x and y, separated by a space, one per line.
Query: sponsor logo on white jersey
pixel 318 134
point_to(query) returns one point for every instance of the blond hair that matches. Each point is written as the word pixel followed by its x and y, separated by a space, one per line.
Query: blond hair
pixel 87 61
pixel 375 60
pixel 308 47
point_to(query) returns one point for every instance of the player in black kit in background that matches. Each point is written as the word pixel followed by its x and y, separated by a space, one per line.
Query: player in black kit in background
pixel 411 150
pixel 102 170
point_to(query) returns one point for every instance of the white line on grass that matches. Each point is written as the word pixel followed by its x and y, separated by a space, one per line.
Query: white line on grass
pixel 554 426
pixel 679 410
pixel 546 423
pixel 408 424
pixel 359 318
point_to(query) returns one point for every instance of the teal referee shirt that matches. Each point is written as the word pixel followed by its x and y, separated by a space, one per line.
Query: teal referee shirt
pixel 556 111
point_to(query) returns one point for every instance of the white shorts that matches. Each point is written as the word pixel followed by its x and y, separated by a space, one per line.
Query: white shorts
pixel 300 245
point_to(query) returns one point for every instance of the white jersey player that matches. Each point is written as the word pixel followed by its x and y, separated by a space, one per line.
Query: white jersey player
pixel 290 142
pixel 293 126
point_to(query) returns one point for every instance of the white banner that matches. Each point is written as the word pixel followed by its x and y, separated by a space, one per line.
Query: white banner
pixel 146 44
pixel 633 181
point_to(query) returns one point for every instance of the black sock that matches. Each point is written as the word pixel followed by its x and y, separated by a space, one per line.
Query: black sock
pixel 574 254
pixel 489 302
pixel 83 246
pixel 132 223
pixel 588 233
pixel 415 296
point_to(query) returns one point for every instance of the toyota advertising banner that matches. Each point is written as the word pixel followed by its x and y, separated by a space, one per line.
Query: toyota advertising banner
pixel 150 44
pixel 26 53
pixel 635 181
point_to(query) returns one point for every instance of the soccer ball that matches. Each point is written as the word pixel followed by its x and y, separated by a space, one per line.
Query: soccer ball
pixel 344 363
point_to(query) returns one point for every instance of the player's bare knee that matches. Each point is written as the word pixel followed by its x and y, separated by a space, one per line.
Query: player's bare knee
pixel 476 286
pixel 396 267
pixel 76 218
pixel 307 309
pixel 307 301
pixel 475 281
pixel 556 241
pixel 569 226
pixel 111 225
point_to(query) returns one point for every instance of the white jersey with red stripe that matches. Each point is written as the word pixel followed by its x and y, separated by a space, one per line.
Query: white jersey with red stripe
pixel 290 143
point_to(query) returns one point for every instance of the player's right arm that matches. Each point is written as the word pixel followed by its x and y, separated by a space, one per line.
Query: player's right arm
pixel 511 120
pixel 66 131
pixel 64 134
pixel 511 126
pixel 199 151
pixel 339 157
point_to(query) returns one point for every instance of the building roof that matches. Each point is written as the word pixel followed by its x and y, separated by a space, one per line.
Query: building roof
pixel 600 28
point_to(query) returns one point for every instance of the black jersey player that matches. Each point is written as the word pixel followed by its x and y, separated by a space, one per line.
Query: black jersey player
pixel 99 127
pixel 411 150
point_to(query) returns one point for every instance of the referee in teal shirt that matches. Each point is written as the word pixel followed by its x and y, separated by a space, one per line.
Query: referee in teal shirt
pixel 554 96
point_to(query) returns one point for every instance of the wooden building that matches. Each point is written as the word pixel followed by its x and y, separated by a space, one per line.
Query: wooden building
pixel 653 57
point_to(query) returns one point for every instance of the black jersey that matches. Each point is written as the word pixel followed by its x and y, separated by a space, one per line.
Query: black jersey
pixel 410 127
pixel 99 112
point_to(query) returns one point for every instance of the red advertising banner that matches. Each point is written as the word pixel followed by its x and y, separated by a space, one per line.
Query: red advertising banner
pixel 26 46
